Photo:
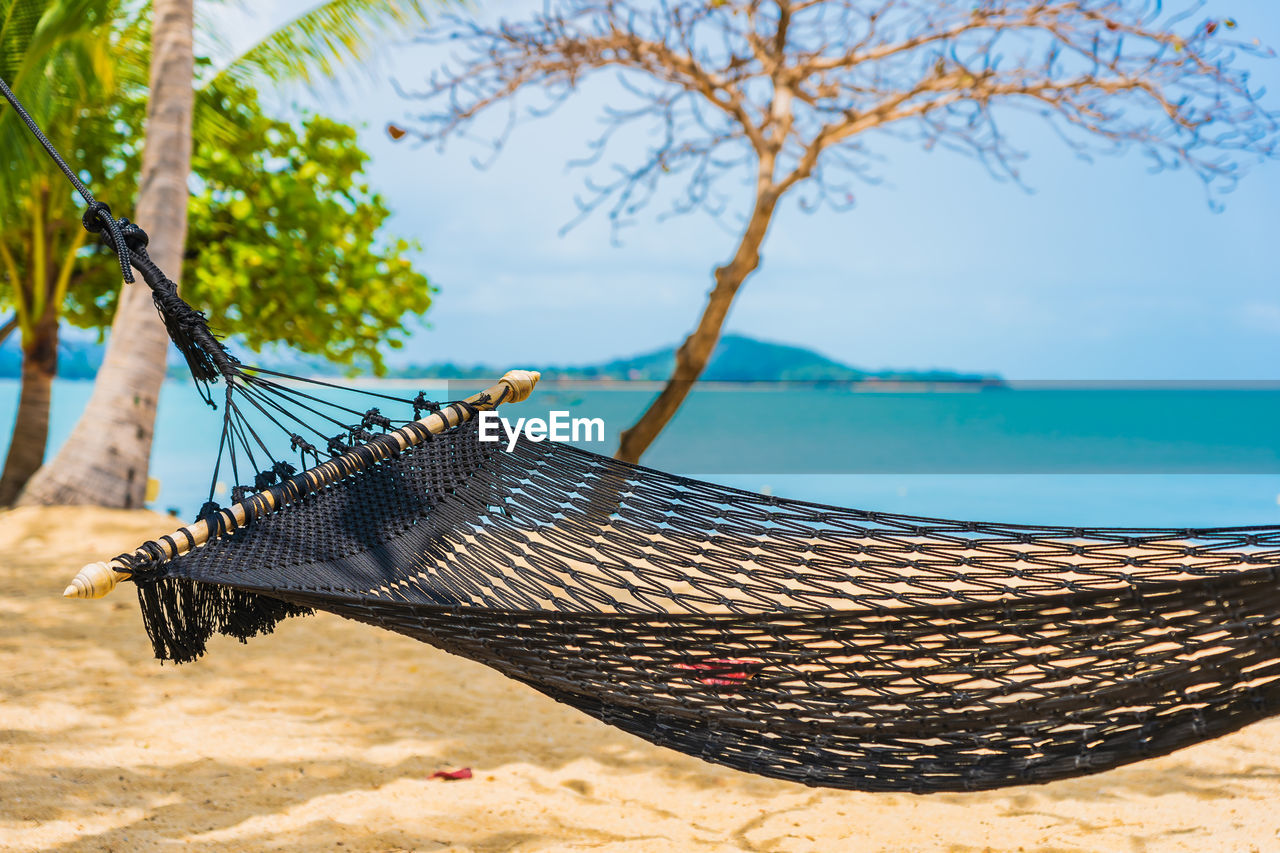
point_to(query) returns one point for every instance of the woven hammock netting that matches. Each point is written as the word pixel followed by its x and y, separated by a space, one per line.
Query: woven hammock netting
pixel 828 646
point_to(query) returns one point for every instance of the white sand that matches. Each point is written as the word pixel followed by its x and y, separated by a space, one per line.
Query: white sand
pixel 323 736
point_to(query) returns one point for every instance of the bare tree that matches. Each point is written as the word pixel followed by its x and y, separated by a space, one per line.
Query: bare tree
pixel 792 94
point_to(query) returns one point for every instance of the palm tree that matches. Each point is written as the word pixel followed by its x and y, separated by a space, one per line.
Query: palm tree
pixel 105 460
pixel 62 57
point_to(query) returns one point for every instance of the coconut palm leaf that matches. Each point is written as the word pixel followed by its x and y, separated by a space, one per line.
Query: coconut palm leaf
pixel 320 42
pixel 60 57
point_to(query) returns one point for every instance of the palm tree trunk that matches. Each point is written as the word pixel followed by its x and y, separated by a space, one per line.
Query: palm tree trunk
pixel 105 460
pixel 8 329
pixel 695 352
pixel 31 429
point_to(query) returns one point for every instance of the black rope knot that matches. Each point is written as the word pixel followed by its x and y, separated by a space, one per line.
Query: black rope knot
pixel 134 237
pixel 188 328
pixel 297 442
pixel 211 514
pixel 375 418
pixel 94 215
pixel 278 472
pixel 422 404
pixel 97 219
pixel 153 555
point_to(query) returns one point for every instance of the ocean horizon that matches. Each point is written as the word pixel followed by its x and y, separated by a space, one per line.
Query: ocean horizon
pixel 1075 454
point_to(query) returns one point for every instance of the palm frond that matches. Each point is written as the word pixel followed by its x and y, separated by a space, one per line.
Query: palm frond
pixel 318 43
pixel 59 57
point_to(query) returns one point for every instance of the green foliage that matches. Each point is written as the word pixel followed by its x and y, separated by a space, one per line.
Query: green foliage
pixel 283 228
pixel 282 242
pixel 62 58
pixel 320 40
pixel 55 54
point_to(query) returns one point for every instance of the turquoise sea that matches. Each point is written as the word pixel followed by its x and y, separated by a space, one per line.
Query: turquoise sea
pixel 1117 454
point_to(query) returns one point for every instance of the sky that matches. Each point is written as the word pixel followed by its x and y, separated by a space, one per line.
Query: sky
pixel 1103 271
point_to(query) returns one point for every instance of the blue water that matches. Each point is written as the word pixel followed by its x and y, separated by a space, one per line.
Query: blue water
pixel 1151 456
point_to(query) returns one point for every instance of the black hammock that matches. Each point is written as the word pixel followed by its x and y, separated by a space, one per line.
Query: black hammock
pixel 823 645
pixel 827 646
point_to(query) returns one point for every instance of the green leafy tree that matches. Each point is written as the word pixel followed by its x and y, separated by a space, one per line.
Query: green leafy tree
pixel 105 460
pixel 283 242
pixel 61 55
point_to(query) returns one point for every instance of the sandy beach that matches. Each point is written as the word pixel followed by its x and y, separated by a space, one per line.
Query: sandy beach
pixel 325 736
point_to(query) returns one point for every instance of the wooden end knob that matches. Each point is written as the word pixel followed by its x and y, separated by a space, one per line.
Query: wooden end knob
pixel 94 581
pixel 521 383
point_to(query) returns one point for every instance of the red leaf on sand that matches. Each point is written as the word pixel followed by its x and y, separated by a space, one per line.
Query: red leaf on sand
pixel 452 775
pixel 723 676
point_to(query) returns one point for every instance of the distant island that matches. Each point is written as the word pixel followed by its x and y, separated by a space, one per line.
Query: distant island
pixel 736 359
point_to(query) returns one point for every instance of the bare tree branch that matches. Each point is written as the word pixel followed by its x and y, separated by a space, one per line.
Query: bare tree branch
pixel 794 93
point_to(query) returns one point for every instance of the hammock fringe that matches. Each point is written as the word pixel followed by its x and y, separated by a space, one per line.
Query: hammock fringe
pixel 207 357
pixel 181 615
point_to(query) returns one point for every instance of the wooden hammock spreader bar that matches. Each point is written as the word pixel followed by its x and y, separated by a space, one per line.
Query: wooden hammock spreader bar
pixel 97 579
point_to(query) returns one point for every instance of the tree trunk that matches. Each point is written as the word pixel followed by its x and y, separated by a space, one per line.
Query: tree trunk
pixel 8 328
pixel 105 460
pixel 31 429
pixel 695 352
